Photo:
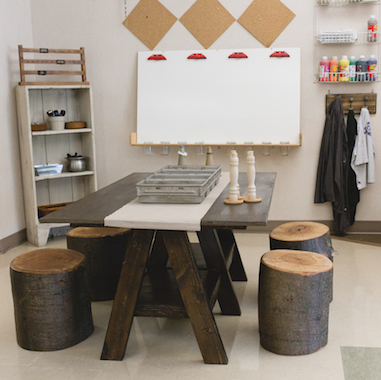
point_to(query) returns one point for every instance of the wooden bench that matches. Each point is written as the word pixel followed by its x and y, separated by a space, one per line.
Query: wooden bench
pixel 51 299
pixel 295 290
pixel 104 249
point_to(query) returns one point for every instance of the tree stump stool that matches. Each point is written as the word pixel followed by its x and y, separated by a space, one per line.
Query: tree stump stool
pixel 51 299
pixel 303 236
pixel 104 249
pixel 293 301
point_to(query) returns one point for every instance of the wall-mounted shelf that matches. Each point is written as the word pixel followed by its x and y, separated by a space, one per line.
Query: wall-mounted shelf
pixel 344 2
pixel 341 37
pixel 349 82
pixel 339 17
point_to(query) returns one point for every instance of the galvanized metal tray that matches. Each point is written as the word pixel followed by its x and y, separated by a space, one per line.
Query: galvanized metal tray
pixel 178 184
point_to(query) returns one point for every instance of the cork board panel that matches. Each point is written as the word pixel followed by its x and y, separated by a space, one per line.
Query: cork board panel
pixel 207 20
pixel 149 21
pixel 266 20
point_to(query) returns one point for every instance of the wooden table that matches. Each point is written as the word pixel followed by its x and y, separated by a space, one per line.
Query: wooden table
pixel 194 277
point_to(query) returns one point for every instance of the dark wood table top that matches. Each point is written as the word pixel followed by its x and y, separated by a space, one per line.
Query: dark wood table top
pixel 92 209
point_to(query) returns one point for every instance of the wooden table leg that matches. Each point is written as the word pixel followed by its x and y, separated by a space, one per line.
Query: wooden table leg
pixel 237 271
pixel 215 260
pixel 130 282
pixel 194 297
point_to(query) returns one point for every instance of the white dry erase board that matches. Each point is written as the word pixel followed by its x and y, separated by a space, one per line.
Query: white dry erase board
pixel 218 100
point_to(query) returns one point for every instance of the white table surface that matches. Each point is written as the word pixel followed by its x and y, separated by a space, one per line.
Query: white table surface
pixel 178 217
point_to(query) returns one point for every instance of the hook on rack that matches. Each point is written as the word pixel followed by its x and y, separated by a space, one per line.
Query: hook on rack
pixel 350 104
pixel 365 100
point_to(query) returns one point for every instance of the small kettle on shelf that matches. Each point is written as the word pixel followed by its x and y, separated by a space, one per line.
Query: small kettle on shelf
pixel 76 163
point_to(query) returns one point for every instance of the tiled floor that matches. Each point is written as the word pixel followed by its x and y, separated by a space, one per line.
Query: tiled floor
pixel 167 349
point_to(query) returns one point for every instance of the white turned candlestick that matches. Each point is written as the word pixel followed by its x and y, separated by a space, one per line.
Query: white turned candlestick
pixel 251 189
pixel 233 197
pixel 234 190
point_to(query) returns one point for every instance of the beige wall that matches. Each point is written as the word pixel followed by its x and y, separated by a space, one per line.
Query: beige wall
pixel 111 54
pixel 15 29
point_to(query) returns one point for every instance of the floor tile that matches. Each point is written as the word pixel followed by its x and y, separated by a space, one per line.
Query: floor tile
pixel 361 363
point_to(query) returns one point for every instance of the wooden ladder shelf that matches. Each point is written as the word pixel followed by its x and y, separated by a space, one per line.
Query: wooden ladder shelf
pixel 52 61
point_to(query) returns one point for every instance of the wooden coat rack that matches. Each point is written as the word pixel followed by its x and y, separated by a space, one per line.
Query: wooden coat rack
pixel 354 101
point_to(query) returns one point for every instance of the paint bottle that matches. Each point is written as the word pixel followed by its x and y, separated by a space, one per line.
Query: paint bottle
pixel 333 69
pixel 344 69
pixel 324 70
pixel 352 68
pixel 372 68
pixel 361 69
pixel 372 29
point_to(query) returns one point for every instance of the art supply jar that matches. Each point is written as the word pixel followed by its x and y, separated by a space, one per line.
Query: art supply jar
pixel 344 69
pixel 372 29
pixel 324 70
pixel 372 68
pixel 333 69
pixel 352 69
pixel 361 69
pixel 57 123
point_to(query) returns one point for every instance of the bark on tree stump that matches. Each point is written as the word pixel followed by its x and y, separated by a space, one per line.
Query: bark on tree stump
pixel 51 299
pixel 303 236
pixel 104 249
pixel 293 301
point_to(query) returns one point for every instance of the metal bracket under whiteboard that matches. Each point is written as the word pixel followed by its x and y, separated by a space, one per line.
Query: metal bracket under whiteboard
pixel 133 142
